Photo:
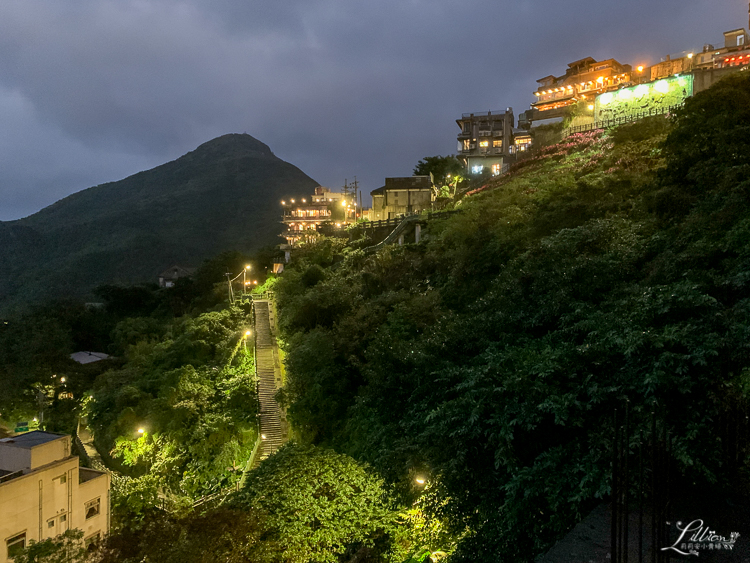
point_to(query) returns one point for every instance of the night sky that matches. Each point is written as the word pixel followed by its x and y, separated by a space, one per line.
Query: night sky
pixel 93 91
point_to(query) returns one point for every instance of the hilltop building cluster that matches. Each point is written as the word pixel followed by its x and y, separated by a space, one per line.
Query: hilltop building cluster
pixel 593 94
pixel 588 95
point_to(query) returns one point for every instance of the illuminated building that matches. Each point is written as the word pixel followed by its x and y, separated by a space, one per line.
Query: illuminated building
pixel 304 218
pixel 486 140
pixel 584 79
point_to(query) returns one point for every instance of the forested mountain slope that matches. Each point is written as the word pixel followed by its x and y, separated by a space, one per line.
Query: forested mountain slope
pixel 612 267
pixel 222 196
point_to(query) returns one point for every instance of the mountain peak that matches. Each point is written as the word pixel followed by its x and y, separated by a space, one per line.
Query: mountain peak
pixel 231 145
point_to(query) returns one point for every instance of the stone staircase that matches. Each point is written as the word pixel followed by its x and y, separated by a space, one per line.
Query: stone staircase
pixel 272 424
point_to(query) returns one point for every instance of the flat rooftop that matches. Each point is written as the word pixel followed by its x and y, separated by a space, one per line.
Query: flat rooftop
pixel 31 439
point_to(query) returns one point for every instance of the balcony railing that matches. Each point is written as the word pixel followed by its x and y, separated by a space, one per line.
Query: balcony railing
pixel 483 114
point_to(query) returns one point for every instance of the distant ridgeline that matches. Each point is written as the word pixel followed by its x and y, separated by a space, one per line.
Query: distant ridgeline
pixel 222 196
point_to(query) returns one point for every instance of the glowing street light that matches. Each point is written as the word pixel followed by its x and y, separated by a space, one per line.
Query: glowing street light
pixel 141 431
pixel 420 480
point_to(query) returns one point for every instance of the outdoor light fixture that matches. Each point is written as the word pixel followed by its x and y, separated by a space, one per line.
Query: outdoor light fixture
pixel 420 480
pixel 640 68
pixel 247 333
pixel 141 431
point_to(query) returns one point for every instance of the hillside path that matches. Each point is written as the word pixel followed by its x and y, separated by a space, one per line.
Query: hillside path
pixel 268 371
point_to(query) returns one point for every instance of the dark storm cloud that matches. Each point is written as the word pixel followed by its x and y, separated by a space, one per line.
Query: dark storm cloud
pixel 93 90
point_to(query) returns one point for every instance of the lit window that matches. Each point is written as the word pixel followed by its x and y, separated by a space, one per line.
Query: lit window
pixel 467 144
pixel 495 169
pixel 498 144
pixel 92 508
pixel 484 144
pixel 477 169
pixel 16 544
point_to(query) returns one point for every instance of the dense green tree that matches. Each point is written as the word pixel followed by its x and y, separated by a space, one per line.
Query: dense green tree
pixel 65 548
pixel 320 506
pixel 440 167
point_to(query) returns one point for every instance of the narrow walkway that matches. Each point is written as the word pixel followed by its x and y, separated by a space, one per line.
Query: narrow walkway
pixel 272 424
pixel 85 440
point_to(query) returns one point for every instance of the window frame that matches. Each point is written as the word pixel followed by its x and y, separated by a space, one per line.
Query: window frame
pixel 12 542
pixel 96 502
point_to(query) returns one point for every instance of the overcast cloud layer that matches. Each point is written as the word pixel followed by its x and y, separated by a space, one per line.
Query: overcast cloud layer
pixel 92 90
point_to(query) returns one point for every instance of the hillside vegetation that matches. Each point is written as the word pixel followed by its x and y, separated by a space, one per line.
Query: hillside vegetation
pixel 222 196
pixel 613 266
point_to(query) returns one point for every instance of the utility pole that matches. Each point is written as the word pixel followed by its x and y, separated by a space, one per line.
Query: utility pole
pixel 355 186
pixel 229 283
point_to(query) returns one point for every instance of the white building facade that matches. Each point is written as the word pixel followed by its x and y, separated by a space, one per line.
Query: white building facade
pixel 44 492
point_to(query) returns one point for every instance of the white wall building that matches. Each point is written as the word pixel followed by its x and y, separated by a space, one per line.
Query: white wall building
pixel 43 492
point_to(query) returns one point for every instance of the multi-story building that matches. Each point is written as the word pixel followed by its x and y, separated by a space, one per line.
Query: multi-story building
pixel 44 492
pixel 399 196
pixel 305 217
pixel 584 80
pixel 485 140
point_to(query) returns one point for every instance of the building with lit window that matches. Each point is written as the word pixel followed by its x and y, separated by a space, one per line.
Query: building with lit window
pixel 485 140
pixel 583 80
pixel 304 218
pixel 400 196
pixel 44 492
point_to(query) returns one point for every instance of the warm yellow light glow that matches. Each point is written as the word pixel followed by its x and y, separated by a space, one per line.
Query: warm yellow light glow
pixel 662 86
pixel 283 203
pixel 536 93
pixel 247 333
pixel 640 68
pixel 62 380
pixel 292 201
pixel 247 266
pixel 262 436
pixel 343 203
pixel 141 431
pixel 600 80
pixel 591 106
pixel 690 55
pixel 420 480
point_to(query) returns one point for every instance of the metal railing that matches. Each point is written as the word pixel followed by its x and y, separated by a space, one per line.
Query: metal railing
pixel 614 122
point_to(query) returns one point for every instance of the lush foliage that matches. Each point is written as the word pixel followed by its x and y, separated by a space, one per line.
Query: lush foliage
pixel 68 547
pixel 608 267
pixel 319 506
pixel 223 534
pixel 189 389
